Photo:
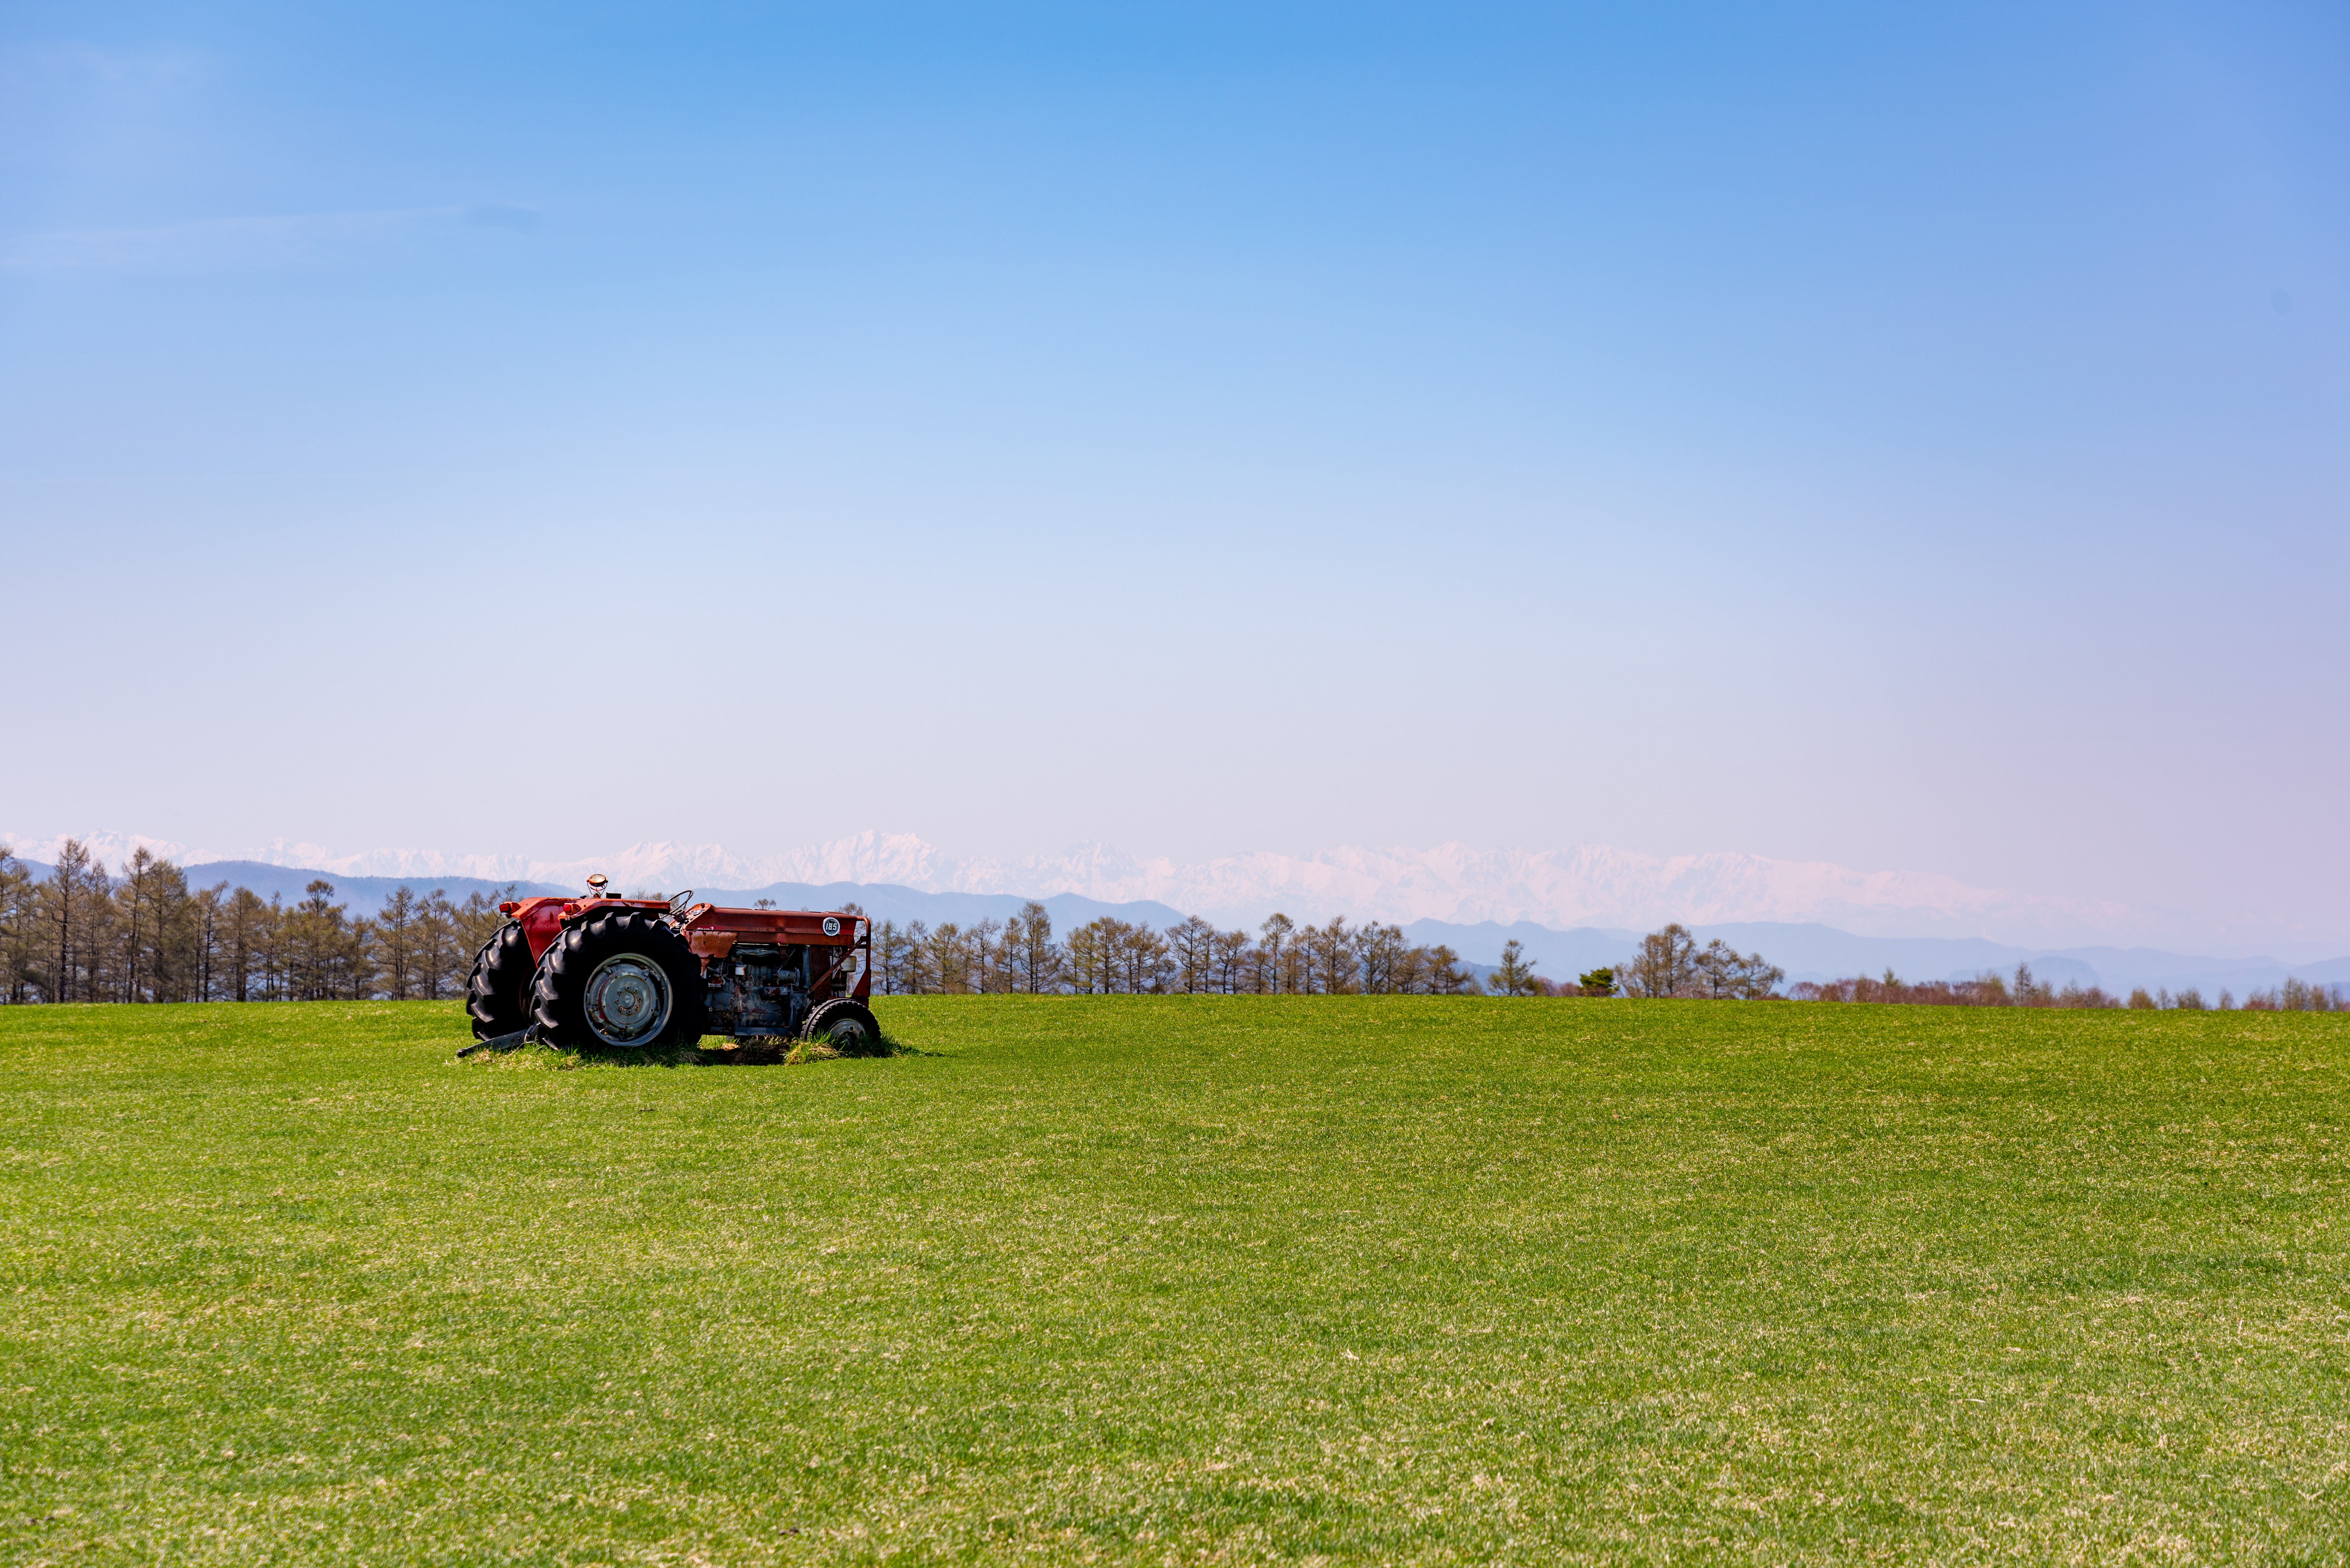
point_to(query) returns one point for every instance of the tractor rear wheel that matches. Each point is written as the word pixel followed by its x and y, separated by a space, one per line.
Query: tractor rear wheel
pixel 497 993
pixel 622 981
pixel 847 1025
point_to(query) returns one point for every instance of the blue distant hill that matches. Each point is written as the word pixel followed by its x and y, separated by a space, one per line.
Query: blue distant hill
pixel 363 895
pixel 1822 952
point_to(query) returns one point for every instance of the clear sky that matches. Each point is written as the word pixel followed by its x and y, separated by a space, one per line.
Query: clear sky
pixel 1910 437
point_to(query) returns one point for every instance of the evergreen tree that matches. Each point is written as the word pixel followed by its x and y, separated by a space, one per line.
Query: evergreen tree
pixel 1514 976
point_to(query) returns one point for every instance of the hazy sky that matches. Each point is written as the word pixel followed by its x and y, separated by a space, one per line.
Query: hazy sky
pixel 1907 438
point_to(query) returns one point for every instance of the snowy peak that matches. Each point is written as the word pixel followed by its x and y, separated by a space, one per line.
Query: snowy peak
pixel 1590 885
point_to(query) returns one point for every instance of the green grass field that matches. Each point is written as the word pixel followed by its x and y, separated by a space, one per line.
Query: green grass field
pixel 1181 1280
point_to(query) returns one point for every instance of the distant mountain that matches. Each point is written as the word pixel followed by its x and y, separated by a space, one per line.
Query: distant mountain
pixel 1591 885
pixel 883 901
pixel 361 895
pixel 365 894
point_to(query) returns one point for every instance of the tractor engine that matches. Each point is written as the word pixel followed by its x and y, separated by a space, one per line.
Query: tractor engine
pixel 766 972
pixel 769 988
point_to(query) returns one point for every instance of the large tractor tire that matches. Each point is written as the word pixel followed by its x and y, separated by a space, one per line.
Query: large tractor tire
pixel 621 981
pixel 497 993
pixel 847 1025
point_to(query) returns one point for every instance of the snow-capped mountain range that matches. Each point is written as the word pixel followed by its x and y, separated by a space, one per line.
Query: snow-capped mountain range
pixel 1593 885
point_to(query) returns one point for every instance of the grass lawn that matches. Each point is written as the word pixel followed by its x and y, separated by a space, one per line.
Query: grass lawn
pixel 1169 1280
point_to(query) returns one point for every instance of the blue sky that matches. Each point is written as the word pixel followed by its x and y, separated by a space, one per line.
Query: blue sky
pixel 1914 441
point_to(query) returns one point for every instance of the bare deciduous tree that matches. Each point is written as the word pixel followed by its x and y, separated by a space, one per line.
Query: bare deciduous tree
pixel 1276 966
pixel 1233 954
pixel 1723 974
pixel 1194 944
pixel 1378 954
pixel 1029 935
pixel 1666 965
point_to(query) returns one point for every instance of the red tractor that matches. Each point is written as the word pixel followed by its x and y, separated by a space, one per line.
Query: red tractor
pixel 626 974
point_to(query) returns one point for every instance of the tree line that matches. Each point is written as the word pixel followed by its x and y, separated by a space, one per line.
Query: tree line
pixel 1282 958
pixel 81 934
pixel 2024 990
pixel 1107 956
pixel 1670 963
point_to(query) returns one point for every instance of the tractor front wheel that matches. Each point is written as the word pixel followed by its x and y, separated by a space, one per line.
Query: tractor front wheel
pixel 497 993
pixel 846 1026
pixel 622 981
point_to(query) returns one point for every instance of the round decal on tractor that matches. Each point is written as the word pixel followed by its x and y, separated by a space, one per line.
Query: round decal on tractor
pixel 831 927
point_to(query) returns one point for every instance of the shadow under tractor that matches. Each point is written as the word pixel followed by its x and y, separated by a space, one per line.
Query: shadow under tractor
pixel 632 975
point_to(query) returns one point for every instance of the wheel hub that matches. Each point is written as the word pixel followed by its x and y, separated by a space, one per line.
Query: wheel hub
pixel 627 1000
